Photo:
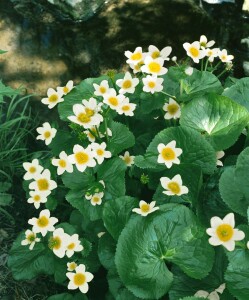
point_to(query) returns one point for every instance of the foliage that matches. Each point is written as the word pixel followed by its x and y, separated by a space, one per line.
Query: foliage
pixel 156 249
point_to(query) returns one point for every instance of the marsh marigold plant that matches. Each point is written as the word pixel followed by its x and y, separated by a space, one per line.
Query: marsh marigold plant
pixel 141 184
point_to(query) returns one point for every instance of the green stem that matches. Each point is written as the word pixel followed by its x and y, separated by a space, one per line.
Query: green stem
pixel 168 95
pixel 224 71
pixel 106 133
pixel 202 65
pixel 205 69
pixel 97 130
pixel 93 133
pixel 181 87
pixel 216 66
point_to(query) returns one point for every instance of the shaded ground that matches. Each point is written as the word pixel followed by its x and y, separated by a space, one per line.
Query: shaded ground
pixel 45 53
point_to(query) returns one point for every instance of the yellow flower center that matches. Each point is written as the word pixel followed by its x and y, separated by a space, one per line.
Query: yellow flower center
pixel 113 101
pixel 102 89
pixel 172 108
pixel 71 246
pixel 65 89
pixel 89 112
pixel 155 54
pixel 37 198
pixel 32 170
pixel 79 279
pixel 72 266
pixel 53 98
pixel 95 199
pixel 83 118
pixel 43 221
pixel 145 208
pixel 151 84
pixel 55 243
pixel 154 67
pixel 47 134
pixel 126 108
pixel 174 187
pixel 81 158
pixel 223 57
pixel 136 56
pixel 62 163
pixel 43 184
pixel 168 154
pixel 31 237
pixel 210 52
pixel 224 232
pixel 100 152
pixel 194 51
pixel 127 160
pixel 127 84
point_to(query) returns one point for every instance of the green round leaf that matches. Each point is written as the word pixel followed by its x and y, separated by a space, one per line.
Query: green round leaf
pixel 171 234
pixel 196 150
pixel 116 214
pixel 219 118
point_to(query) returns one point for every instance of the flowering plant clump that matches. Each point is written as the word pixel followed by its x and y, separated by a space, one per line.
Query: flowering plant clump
pixel 142 182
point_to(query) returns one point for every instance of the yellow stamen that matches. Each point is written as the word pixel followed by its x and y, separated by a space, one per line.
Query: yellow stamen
pixel 83 118
pixel 43 221
pixel 65 89
pixel 194 51
pixel 174 187
pixel 151 84
pixel 31 237
pixel 72 266
pixel 168 154
pixel 47 134
pixel 113 101
pixel 127 84
pixel 62 163
pixel 100 152
pixel 53 98
pixel 136 56
pixel 125 107
pixel 102 90
pixel 32 170
pixel 145 208
pixel 71 246
pixel 95 199
pixel 155 54
pixel 43 184
pixel 225 232
pixel 81 158
pixel 79 279
pixel 172 108
pixel 127 160
pixel 154 67
pixel 37 198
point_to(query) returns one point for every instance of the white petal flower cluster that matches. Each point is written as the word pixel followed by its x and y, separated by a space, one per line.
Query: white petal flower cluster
pixel 56 96
pixel 46 133
pixel 96 197
pixel 145 208
pixel 202 48
pixel 127 158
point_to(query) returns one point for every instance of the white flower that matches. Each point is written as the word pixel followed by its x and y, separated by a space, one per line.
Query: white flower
pixel 154 52
pixel 212 53
pixel 37 198
pixel 222 232
pixel 112 99
pixel 174 58
pixel 173 110
pixel 128 159
pixel 32 169
pixel 79 279
pixel 44 223
pixel 100 234
pixel 194 51
pixel 204 42
pixel 173 186
pixel 87 115
pixel 168 154
pixel 213 295
pixel 99 152
pixel 137 67
pixel 96 199
pixel 219 155
pixel 189 71
pixel 73 245
pixel 128 84
pixel 46 133
pixel 82 158
pixel 58 242
pixel 30 239
pixel 102 88
pixel 43 183
pixel 145 208
pixel 126 108
pixel 62 163
pixel 224 57
pixel 53 98
pixel 154 66
pixel 71 266
pixel 134 57
pixel 66 89
pixel 152 84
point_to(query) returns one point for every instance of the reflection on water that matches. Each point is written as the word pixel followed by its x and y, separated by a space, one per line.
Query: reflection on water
pixel 46 52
